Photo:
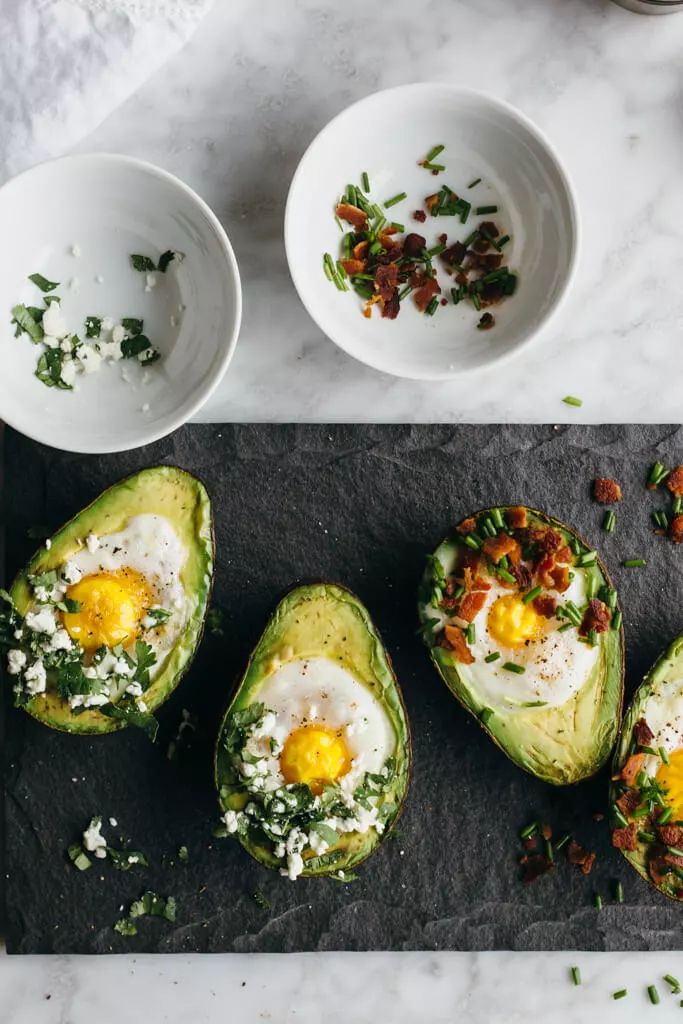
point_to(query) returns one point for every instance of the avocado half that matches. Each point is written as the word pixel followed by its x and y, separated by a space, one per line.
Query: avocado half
pixel 650 856
pixel 321 620
pixel 161 490
pixel 560 745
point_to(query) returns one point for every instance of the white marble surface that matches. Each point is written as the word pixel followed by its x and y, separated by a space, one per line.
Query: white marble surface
pixel 232 114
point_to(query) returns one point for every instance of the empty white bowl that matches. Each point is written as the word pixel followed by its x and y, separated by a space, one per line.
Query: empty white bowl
pixel 386 135
pixel 77 220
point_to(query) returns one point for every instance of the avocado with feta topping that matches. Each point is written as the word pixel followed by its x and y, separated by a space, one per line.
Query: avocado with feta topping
pixel 523 625
pixel 313 754
pixel 101 625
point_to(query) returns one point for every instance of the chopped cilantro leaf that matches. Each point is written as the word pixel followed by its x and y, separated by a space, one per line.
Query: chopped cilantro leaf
pixel 49 369
pixel 183 855
pixel 43 283
pixel 165 260
pixel 159 615
pixel 78 857
pixel 261 900
pixel 124 860
pixel 129 713
pixel 27 323
pixel 133 346
pixel 132 324
pixel 93 326
pixel 142 263
pixel 153 905
pixel 124 926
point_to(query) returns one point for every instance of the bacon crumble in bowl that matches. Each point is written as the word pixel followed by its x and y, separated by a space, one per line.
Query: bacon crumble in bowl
pixel 446 245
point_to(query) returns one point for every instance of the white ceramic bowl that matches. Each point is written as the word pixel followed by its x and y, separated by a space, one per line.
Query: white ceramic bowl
pixel 386 135
pixel 109 207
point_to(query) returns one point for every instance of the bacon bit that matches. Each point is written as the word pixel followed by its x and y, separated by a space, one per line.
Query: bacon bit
pixel 471 605
pixel 420 215
pixel 644 737
pixel 677 529
pixel 503 544
pixel 545 605
pixel 606 491
pixel 625 838
pixel 534 866
pixel 516 517
pixel 488 227
pixel 481 245
pixel 487 263
pixel 522 575
pixel 674 481
pixel 673 859
pixel 360 249
pixel 633 766
pixel 582 858
pixel 670 835
pixel 565 555
pixel 391 307
pixel 658 870
pixel 386 281
pixel 628 802
pixel 468 525
pixel 385 238
pixel 554 577
pixel 597 616
pixel 529 843
pixel 353 267
pixel 457 643
pixel 426 292
pixel 367 310
pixel 352 215
pixel 454 254
pixel 431 201
pixel 413 244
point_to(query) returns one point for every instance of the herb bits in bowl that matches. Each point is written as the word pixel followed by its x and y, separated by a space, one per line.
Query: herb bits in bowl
pixel 442 247
pixel 122 303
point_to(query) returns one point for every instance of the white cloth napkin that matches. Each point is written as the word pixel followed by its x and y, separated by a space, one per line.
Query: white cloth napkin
pixel 66 64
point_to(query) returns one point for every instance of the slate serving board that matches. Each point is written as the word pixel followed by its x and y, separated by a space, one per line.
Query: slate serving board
pixel 361 505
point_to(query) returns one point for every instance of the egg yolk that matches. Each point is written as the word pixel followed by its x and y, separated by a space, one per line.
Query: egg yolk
pixel 111 607
pixel 315 755
pixel 670 777
pixel 512 623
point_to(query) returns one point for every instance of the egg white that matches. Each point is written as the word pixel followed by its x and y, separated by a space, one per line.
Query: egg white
pixel 557 665
pixel 663 712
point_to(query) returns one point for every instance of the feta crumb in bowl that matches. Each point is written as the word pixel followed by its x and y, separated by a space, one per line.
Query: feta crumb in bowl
pixel 79 226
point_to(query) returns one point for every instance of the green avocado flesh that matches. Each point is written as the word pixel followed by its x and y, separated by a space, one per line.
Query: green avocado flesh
pixel 558 741
pixel 640 806
pixel 325 622
pixel 164 491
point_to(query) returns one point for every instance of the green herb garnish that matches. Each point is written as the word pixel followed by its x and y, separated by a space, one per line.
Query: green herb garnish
pixel 143 264
pixel 572 400
pixel 395 199
pixel 43 283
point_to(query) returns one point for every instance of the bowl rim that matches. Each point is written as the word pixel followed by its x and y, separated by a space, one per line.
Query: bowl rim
pixel 207 389
pixel 574 225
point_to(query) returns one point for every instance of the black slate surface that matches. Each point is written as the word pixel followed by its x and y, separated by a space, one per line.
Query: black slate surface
pixel 361 505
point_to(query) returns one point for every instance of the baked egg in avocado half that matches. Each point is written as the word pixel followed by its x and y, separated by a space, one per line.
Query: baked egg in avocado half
pixel 524 628
pixel 313 754
pixel 646 803
pixel 100 626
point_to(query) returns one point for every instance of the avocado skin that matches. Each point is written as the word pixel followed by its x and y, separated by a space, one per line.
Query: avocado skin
pixel 163 490
pixel 524 741
pixel 665 667
pixel 303 618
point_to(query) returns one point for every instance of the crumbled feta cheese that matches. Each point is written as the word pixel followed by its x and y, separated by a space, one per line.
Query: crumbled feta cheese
pixel 92 542
pixel 75 250
pixel 16 660
pixel 71 573
pixel 60 641
pixel 42 621
pixel 35 677
pixel 142 706
pixel 48 544
pixel 110 350
pixel 52 342
pixel 317 843
pixel 89 358
pixel 68 371
pixel 232 820
pixel 107 324
pixel 134 689
pixel 150 282
pixel 53 321
pixel 93 840
pixel 125 376
pixel 88 700
pixel 118 333
pixel 113 822
pixel 295 865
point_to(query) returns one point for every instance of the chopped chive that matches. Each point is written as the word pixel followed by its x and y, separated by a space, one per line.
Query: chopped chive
pixel 619 817
pixel 567 626
pixel 618 892
pixel 673 982
pixel 436 249
pixel 473 183
pixel 395 199
pixel 647 837
pixel 339 223
pixel 431 308
pixel 665 758
pixel 620 993
pixel 677 506
pixel 510 666
pixel 587 559
pixel 494 656
pixel 433 153
pixel 464 208
pixel 653 994
pixel 485 714
pixel 665 816
pixel 481 211
pixel 404 291
pixel 609 521
pixel 497 516
pixel 617 619
pixel 529 831
pixel 397 227
pixel 674 851
pixel 456 295
pixel 658 473
pixel 473 541
pixel 531 595
pixel 503 241
pixel 562 841
pixel 633 563
pixel 598 901
pixel 475 301
pixel 376 212
pixel 576 975
pixel 505 575
pixel 549 852
pixel 572 400
pixel 471 633
pixel 365 181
